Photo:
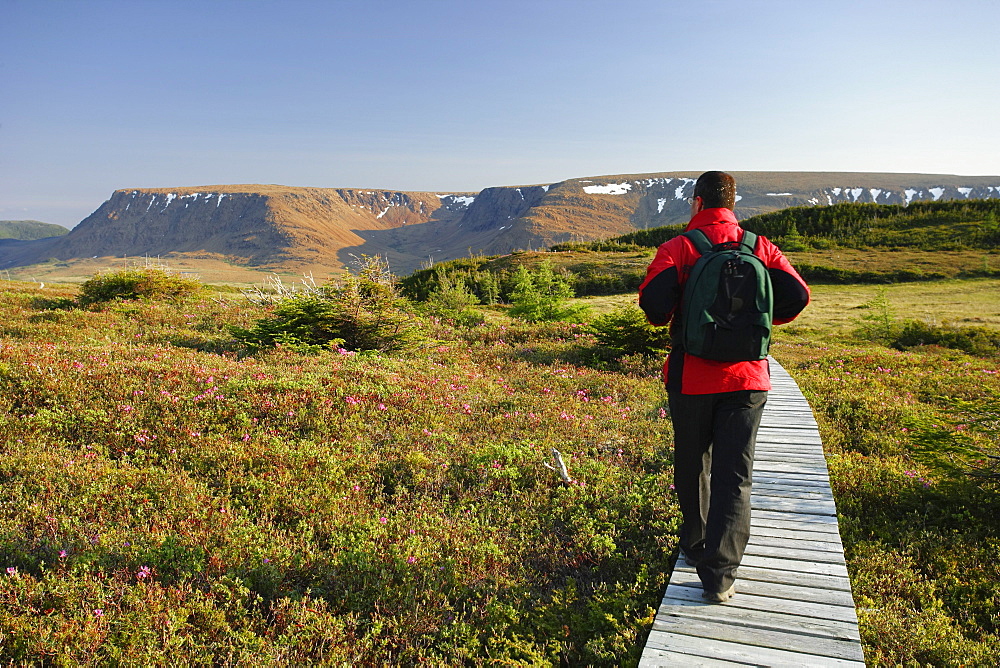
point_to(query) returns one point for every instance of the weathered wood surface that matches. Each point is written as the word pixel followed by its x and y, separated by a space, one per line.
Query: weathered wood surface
pixel 793 603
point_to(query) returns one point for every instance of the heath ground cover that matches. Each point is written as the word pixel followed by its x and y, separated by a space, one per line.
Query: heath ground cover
pixel 166 500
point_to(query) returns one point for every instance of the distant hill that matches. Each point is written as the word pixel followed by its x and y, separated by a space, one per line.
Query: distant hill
pixel 27 230
pixel 290 229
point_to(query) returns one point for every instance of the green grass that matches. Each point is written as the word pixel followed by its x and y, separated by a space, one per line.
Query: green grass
pixel 966 302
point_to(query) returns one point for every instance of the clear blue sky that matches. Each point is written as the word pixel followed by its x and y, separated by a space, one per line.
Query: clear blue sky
pixel 455 95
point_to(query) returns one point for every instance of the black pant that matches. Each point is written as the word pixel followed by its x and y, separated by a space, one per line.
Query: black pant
pixel 714 436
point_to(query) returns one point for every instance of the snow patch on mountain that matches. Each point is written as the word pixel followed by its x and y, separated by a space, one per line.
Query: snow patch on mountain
pixel 609 189
pixel 465 200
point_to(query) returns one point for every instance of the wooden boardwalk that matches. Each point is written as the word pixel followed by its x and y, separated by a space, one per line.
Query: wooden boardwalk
pixel 793 603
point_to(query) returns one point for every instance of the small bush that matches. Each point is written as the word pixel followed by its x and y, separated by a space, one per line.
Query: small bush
pixel 541 296
pixel 451 300
pixel 363 313
pixel 146 283
pixel 625 331
pixel 880 323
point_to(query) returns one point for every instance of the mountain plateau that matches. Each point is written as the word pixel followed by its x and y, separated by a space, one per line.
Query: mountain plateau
pixel 289 230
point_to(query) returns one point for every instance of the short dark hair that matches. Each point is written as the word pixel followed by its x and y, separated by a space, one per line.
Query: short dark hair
pixel 717 190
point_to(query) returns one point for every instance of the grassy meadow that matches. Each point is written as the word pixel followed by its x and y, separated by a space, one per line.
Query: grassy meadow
pixel 170 499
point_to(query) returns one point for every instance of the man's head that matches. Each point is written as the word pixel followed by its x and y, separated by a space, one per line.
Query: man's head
pixel 717 190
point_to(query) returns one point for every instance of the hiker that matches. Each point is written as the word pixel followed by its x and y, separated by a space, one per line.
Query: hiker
pixel 716 404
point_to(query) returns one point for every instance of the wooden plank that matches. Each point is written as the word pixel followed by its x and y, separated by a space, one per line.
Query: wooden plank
pixel 805 457
pixel 777 590
pixel 792 492
pixel 784 576
pixel 744 600
pixel 814 533
pixel 800 543
pixel 815 580
pixel 794 518
pixel 665 657
pixel 767 527
pixel 796 565
pixel 803 553
pixel 791 503
pixel 764 478
pixel 791 452
pixel 821 480
pixel 779 435
pixel 743 654
pixel 758 637
pixel 789 484
pixel 817 471
pixel 777 533
pixel 776 412
pixel 797 447
pixel 787 429
pixel 776 418
pixel 765 531
pixel 787 505
pixel 759 618
pixel 794 522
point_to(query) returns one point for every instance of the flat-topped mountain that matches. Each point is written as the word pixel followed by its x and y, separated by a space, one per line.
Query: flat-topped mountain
pixel 291 229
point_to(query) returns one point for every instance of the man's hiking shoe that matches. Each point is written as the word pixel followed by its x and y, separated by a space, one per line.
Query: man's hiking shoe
pixel 719 596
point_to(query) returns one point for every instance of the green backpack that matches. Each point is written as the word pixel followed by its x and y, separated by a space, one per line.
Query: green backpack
pixel 728 303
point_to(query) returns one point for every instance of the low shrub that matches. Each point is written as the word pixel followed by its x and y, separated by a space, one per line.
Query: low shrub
pixel 451 300
pixel 145 283
pixel 542 295
pixel 608 280
pixel 975 340
pixel 364 312
pixel 625 331
pixel 823 274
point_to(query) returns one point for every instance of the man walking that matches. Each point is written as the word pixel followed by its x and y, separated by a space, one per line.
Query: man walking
pixel 715 406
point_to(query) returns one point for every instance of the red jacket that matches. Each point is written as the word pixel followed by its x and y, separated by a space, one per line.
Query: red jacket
pixel 660 294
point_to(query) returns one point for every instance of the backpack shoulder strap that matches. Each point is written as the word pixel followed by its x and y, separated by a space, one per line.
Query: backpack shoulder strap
pixel 749 241
pixel 700 241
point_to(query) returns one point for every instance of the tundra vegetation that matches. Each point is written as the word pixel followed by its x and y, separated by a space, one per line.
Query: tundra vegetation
pixel 344 474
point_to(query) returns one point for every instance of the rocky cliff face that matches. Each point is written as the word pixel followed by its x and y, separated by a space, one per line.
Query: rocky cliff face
pixel 250 225
pixel 286 228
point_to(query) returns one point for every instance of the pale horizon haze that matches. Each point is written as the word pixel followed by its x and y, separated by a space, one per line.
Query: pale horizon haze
pixel 450 96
